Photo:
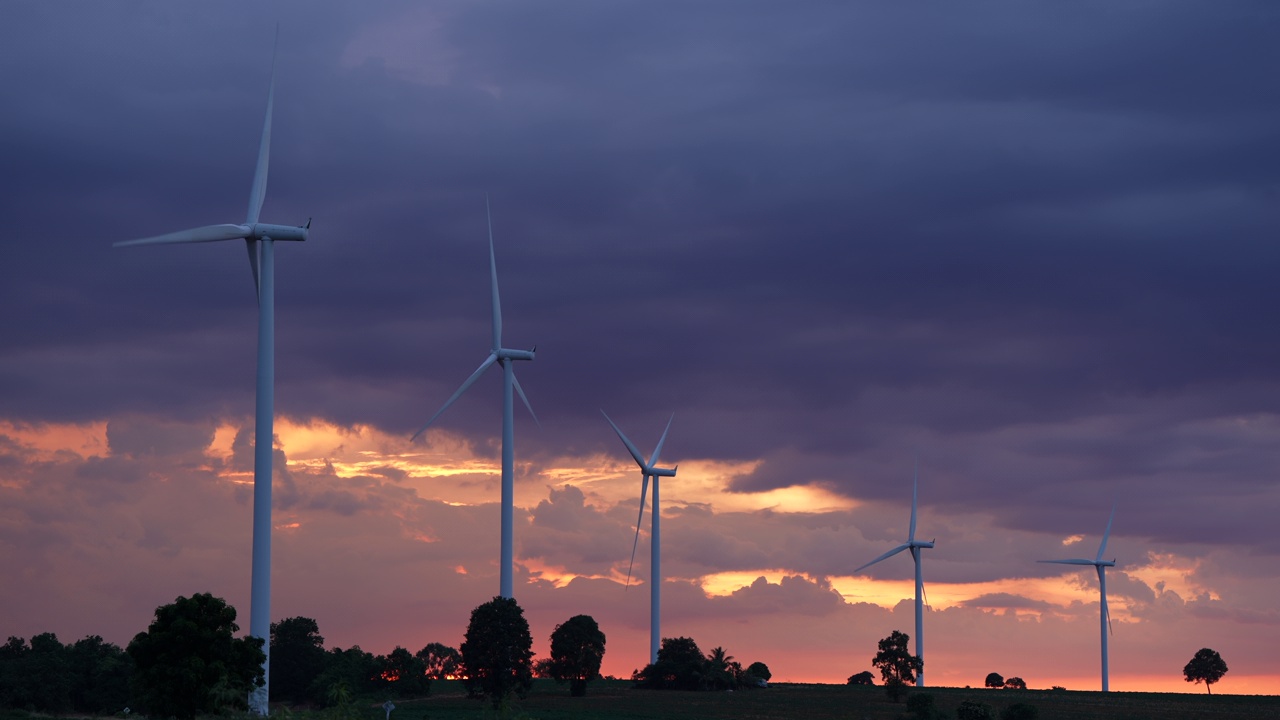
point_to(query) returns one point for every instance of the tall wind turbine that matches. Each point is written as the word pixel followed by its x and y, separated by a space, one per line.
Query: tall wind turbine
pixel 650 470
pixel 1104 614
pixel 506 358
pixel 914 546
pixel 260 239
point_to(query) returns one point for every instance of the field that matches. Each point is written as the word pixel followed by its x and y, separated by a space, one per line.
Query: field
pixel 616 700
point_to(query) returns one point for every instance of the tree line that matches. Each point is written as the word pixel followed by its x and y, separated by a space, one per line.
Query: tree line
pixel 189 662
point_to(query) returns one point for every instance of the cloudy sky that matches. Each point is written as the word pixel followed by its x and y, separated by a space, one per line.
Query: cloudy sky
pixel 1034 245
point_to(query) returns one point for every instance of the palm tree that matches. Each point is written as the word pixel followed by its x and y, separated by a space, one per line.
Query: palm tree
pixel 719 673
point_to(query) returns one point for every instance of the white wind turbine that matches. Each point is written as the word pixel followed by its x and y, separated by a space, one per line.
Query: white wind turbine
pixel 650 470
pixel 1104 613
pixel 914 546
pixel 504 357
pixel 260 239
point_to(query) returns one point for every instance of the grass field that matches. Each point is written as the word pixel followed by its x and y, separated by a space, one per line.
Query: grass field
pixel 616 699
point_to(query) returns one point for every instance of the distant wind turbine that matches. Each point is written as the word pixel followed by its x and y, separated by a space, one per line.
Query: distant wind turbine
pixel 650 470
pixel 1104 613
pixel 260 239
pixel 504 357
pixel 914 546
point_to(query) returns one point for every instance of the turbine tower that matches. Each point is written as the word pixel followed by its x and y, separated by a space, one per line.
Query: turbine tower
pixel 1104 614
pixel 260 239
pixel 914 546
pixel 506 358
pixel 650 470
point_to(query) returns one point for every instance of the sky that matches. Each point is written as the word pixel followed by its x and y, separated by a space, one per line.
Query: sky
pixel 1030 246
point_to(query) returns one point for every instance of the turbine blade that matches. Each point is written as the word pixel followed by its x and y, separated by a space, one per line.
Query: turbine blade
pixel 207 233
pixel 1103 547
pixel 516 381
pixel 258 192
pixel 1102 598
pixel 889 554
pixel 635 453
pixel 253 265
pixel 1072 561
pixel 466 384
pixel 493 277
pixel 644 488
pixel 653 460
pixel 915 484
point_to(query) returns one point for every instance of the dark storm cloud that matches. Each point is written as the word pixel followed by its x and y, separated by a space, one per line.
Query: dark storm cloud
pixel 1033 243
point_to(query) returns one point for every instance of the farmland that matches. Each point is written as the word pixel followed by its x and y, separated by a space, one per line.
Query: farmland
pixel 617 700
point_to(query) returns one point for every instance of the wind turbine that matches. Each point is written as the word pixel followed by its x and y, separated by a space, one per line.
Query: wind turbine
pixel 504 357
pixel 1104 613
pixel 914 546
pixel 650 470
pixel 260 239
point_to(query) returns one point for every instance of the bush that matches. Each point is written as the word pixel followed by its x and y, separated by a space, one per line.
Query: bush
pixel 973 710
pixel 1020 711
pixel 863 678
pixel 921 707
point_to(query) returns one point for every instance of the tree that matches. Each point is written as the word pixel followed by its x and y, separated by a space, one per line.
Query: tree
pixel 758 671
pixel 1015 683
pixel 442 662
pixel 994 680
pixel 1207 666
pixel 863 678
pixel 577 649
pixel 188 661
pixel 680 666
pixel 100 673
pixel 497 652
pixel 297 658
pixel 719 674
pixel 403 673
pixel 347 674
pixel 898 667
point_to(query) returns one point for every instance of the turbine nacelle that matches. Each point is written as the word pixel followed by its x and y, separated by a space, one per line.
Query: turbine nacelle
pixel 663 472
pixel 218 233
pixel 505 354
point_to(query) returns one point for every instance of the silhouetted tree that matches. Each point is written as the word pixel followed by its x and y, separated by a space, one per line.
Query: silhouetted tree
pixel 188 661
pixel 863 678
pixel 442 662
pixel 100 673
pixel 1015 683
pixel 577 649
pixel 680 666
pixel 758 670
pixel 1207 666
pixel 297 658
pixel 403 674
pixel 36 676
pixel 347 674
pixel 719 674
pixel 994 680
pixel 496 653
pixel 898 667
